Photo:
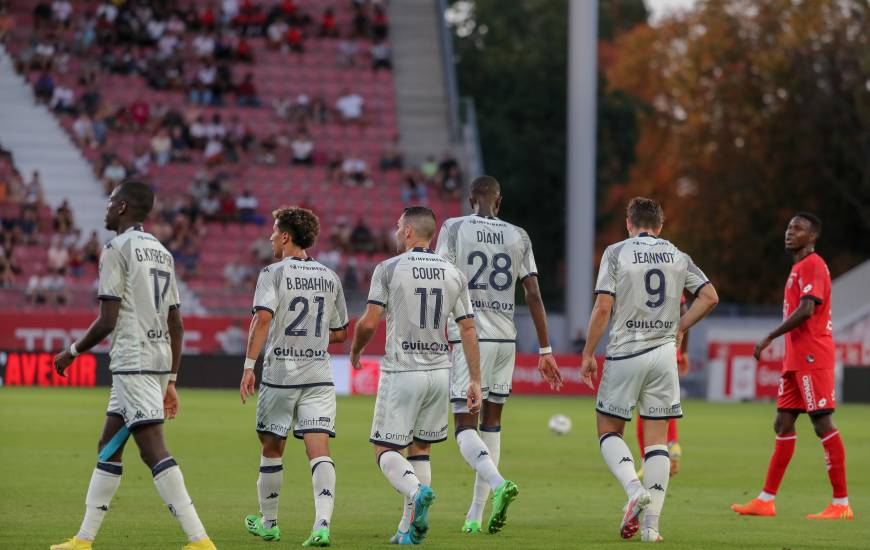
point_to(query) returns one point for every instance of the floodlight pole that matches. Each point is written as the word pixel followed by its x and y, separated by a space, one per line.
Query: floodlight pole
pixel 582 90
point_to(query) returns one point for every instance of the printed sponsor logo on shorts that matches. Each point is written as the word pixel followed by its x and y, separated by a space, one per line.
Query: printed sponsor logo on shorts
pixel 501 388
pixel 395 436
pixel 621 411
pixel 666 411
pixel 293 353
pixel 808 393
pixel 437 347
pixel 433 434
pixel 273 428
pixel 322 422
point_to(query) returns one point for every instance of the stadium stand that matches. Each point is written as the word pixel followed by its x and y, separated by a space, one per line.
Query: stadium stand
pixel 230 109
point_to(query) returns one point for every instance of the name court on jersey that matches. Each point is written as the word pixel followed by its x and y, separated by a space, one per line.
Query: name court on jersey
pixel 429 273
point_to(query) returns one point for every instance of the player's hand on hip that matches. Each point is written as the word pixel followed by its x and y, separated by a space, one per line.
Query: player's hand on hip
pixel 246 388
pixel 355 361
pixel 589 370
pixel 550 371
pixel 475 397
pixel 761 346
pixel 680 335
pixel 61 361
pixel 170 402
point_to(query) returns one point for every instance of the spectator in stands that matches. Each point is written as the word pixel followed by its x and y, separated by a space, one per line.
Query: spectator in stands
pixel 361 239
pixel 295 40
pixel 346 55
pixel 113 174
pixel 204 46
pixel 223 84
pixel 180 144
pixel 261 252
pixel 429 168
pixel 44 55
pixel 240 135
pixel 380 24
pixel 244 50
pixel 360 21
pixel 83 130
pixel 351 280
pixel 91 249
pixel 42 15
pixel 355 171
pixel 7 274
pixel 140 113
pixel 391 158
pixel 37 291
pixel 350 105
pixel 282 107
pixel 64 223
pixel 141 160
pixel 330 257
pixel 300 111
pixel 276 34
pixel 381 56
pixel 269 149
pixel 229 11
pixel 28 224
pixel 328 24
pixel 246 92
pixel 414 190
pixel 213 152
pixel 227 207
pixel 210 206
pixel 236 274
pixel 62 100
pixel 199 133
pixel 57 258
pixel 451 183
pixel 33 193
pixel 202 88
pixel 246 207
pixel 61 11
pixel 43 88
pixel 339 236
pixel 319 110
pixel 303 149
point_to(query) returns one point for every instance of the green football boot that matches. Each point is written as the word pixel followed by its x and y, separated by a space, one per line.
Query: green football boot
pixel 319 537
pixel 471 527
pixel 501 499
pixel 255 527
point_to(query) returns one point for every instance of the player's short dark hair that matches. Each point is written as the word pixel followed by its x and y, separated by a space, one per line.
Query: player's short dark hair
pixel 302 225
pixel 815 221
pixel 485 186
pixel 139 198
pixel 423 220
pixel 645 213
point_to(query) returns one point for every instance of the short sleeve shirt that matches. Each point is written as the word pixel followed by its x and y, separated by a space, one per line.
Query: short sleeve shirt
pixel 810 346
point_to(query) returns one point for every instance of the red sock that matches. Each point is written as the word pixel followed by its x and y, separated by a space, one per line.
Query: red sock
pixel 640 436
pixel 673 434
pixel 782 453
pixel 835 458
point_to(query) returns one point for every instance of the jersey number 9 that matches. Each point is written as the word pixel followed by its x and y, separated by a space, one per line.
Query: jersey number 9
pixel 657 292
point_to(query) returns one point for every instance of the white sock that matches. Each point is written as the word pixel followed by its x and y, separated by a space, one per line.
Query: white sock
pixel 656 473
pixel 170 485
pixel 104 483
pixel 399 473
pixel 269 489
pixel 475 452
pixel 323 483
pixel 840 501
pixel 765 496
pixel 491 437
pixel 618 458
pixel 423 468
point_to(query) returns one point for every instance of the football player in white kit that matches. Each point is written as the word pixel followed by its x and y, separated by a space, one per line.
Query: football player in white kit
pixel 140 308
pixel 492 254
pixel 299 310
pixel 418 291
pixel 640 282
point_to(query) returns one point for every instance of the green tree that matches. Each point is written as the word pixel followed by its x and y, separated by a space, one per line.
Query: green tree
pixel 512 59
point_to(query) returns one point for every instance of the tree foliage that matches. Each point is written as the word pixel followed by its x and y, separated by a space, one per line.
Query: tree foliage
pixel 755 109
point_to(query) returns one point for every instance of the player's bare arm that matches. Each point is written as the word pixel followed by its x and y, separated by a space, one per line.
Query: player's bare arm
pixel 598 320
pixel 337 336
pixel 803 312
pixel 704 303
pixel 176 339
pixel 99 330
pixel 257 334
pixel 364 331
pixel 546 362
pixel 471 348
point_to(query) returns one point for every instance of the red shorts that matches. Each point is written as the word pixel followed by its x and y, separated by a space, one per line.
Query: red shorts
pixel 809 391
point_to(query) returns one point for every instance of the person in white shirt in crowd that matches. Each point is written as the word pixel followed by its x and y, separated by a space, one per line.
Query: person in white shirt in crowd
pixel 350 105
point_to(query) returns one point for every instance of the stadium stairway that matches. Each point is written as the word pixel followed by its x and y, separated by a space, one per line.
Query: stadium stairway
pixel 421 95
pixel 38 142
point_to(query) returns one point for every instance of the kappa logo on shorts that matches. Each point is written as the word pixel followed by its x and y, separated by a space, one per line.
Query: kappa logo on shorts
pixel 261 426
pixel 139 415
pixel 626 459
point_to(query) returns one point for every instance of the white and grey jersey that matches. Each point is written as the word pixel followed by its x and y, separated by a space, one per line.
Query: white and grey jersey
pixel 419 290
pixel 306 301
pixel 138 271
pixel 492 254
pixel 646 276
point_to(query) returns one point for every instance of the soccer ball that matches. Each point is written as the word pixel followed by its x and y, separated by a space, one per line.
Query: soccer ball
pixel 560 424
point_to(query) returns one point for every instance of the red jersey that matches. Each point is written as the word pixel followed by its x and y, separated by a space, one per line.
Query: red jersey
pixel 811 345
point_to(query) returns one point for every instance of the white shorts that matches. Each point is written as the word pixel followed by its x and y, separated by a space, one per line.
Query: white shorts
pixel 648 381
pixel 137 398
pixel 300 410
pixel 497 361
pixel 411 405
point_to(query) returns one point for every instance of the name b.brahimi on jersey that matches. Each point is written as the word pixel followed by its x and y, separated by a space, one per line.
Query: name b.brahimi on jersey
pixel 646 275
pixel 420 290
pixel 138 271
pixel 492 254
pixel 306 301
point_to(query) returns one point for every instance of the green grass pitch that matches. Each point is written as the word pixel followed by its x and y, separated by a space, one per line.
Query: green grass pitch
pixel 567 499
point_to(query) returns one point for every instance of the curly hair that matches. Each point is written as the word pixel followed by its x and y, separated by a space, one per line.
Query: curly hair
pixel 302 224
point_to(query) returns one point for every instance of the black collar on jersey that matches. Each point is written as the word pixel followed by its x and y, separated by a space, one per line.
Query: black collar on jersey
pixel 135 227
pixel 645 234
pixel 298 259
pixel 487 217
pixel 421 249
